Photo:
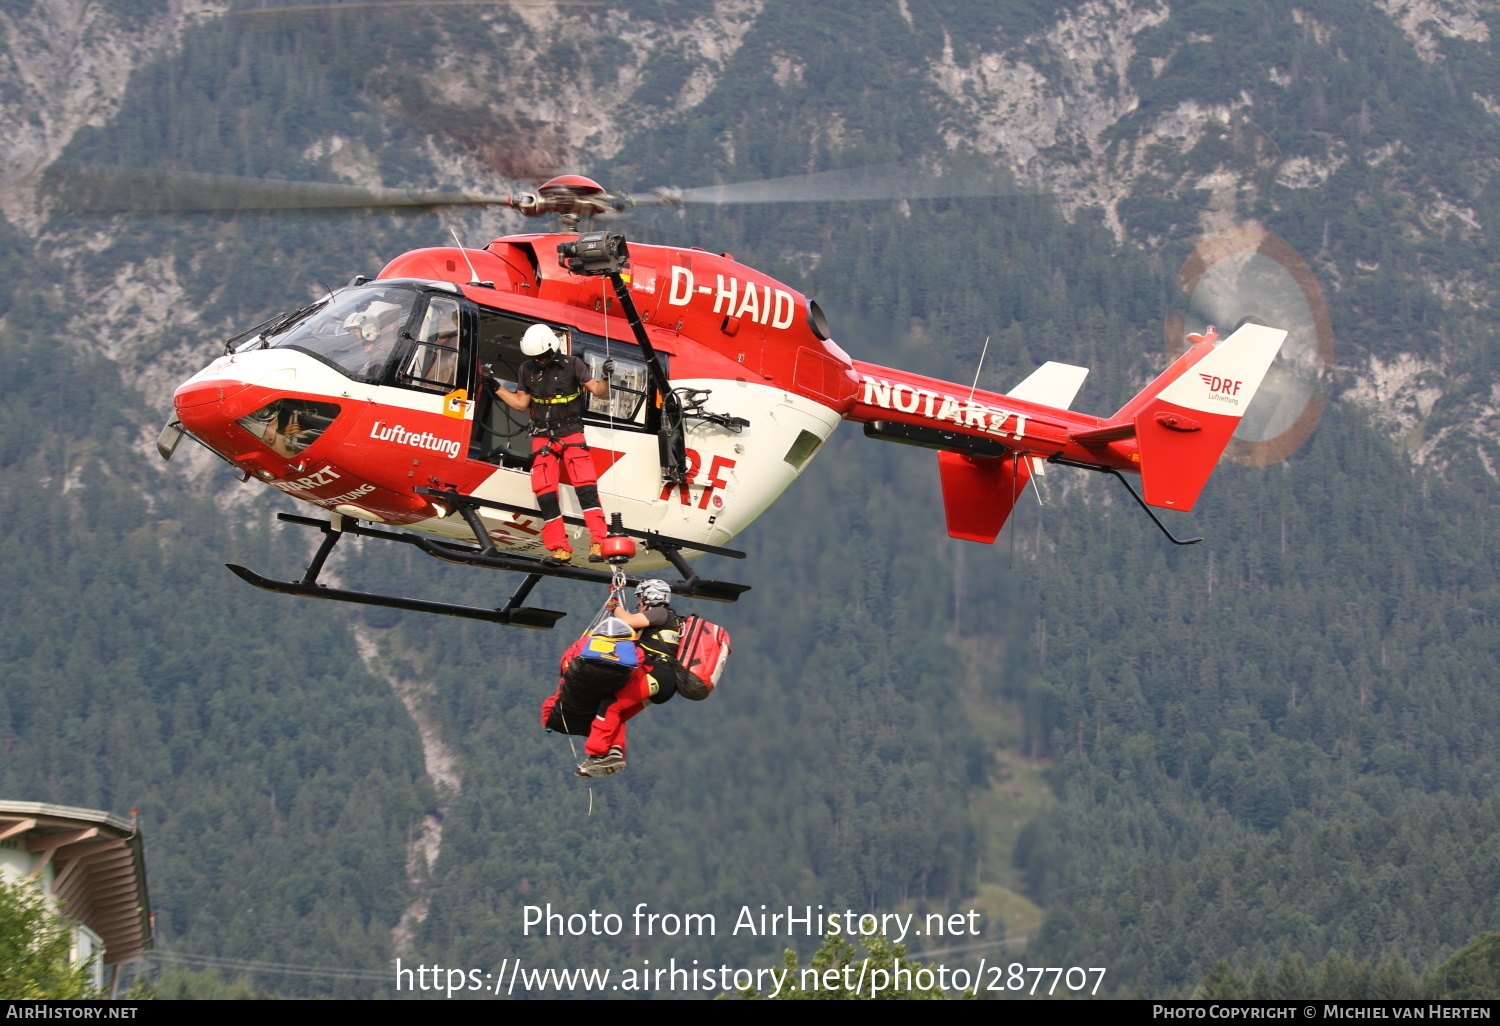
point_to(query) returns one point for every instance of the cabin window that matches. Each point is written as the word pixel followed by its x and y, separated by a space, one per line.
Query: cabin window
pixel 802 450
pixel 288 426
pixel 630 403
pixel 628 389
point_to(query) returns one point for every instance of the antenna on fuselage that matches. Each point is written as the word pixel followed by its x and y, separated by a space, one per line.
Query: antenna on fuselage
pixel 975 387
pixel 473 274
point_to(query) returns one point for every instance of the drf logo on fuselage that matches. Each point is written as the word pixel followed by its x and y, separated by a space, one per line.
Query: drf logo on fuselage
pixel 763 305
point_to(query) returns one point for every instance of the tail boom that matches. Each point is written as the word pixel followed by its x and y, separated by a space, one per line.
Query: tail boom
pixel 1172 433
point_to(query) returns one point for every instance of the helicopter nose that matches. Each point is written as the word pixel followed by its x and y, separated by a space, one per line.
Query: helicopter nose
pixel 201 393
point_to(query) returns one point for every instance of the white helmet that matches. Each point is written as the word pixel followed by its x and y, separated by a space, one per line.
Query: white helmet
pixel 653 592
pixel 539 339
pixel 372 318
pixel 613 627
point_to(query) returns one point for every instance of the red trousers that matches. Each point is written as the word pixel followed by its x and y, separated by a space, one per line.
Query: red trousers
pixel 608 730
pixel 569 450
pixel 607 727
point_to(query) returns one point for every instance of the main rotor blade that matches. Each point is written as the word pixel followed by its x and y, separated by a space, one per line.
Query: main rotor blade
pixel 115 190
pixel 260 13
pixel 875 182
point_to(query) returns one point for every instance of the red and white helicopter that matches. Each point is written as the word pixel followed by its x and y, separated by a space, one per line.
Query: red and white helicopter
pixel 375 404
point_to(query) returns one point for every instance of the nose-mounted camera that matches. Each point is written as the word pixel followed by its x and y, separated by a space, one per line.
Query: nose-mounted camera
pixel 594 254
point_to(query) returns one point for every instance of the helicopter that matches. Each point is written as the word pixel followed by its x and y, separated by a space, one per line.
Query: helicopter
pixel 377 403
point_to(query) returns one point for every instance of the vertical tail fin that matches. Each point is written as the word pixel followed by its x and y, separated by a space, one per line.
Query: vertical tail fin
pixel 1182 425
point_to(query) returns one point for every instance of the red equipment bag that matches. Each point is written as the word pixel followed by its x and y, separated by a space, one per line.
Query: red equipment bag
pixel 703 651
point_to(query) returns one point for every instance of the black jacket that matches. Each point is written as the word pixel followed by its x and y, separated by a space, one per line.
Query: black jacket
pixel 557 395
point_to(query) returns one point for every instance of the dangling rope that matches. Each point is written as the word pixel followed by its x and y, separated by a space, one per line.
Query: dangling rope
pixel 574 748
pixel 616 585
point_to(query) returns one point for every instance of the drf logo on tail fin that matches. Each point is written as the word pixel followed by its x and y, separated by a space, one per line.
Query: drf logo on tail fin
pixel 1227 386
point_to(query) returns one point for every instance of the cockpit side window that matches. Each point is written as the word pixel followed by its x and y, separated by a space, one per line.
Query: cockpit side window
pixel 356 331
pixel 432 363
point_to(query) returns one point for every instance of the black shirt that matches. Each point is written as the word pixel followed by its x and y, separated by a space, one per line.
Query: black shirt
pixel 662 633
pixel 560 377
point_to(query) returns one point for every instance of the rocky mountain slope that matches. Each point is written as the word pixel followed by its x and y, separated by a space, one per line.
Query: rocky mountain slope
pixel 1169 122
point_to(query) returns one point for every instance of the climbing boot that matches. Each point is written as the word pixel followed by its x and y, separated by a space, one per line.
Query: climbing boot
pixel 603 765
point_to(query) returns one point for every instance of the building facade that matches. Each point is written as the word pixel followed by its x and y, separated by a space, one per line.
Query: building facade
pixel 92 865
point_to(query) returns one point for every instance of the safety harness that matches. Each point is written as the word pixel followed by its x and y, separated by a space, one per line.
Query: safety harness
pixel 557 447
pixel 651 637
pixel 559 413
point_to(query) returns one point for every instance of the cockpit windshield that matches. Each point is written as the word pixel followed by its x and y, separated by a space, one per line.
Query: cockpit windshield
pixel 356 330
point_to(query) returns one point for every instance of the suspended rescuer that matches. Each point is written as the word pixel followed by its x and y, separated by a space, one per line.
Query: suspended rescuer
pixel 552 386
pixel 660 635
pixel 610 674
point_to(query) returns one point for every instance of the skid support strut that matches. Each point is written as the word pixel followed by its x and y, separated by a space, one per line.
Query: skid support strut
pixel 486 554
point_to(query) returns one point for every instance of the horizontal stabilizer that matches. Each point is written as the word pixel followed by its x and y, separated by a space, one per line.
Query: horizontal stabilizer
pixel 1104 435
pixel 1051 384
pixel 978 493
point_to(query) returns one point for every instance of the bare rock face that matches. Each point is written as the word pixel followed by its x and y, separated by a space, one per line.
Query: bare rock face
pixel 1426 21
pixel 1027 117
pixel 65 65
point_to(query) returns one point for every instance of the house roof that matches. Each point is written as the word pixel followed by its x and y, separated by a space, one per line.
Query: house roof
pixel 99 870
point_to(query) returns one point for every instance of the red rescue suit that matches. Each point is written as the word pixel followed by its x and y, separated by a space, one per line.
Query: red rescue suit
pixel 599 716
pixel 557 404
pixel 571 451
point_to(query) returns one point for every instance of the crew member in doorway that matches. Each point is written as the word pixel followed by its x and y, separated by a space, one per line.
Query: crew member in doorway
pixel 552 386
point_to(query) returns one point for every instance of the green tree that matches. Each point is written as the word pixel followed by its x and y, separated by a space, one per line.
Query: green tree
pixel 1222 984
pixel 884 972
pixel 1472 973
pixel 177 984
pixel 35 943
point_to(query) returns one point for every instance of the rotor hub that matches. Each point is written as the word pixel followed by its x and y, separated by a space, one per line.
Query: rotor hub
pixel 570 185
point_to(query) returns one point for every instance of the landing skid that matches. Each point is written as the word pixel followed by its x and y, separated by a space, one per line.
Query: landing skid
pixel 485 554
pixel 511 614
